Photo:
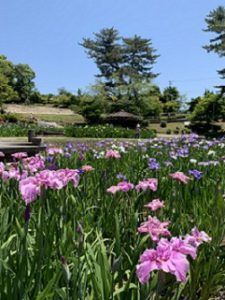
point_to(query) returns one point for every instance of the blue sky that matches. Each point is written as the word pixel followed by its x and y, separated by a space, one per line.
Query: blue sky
pixel 45 34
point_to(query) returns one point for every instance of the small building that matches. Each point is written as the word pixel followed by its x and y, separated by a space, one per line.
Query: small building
pixel 123 118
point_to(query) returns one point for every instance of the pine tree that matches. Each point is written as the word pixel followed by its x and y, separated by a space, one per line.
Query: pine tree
pixel 125 64
pixel 216 24
pixel 139 57
pixel 106 52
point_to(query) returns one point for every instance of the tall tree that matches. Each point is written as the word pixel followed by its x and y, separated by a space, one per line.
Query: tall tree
pixel 7 93
pixel 210 107
pixel 19 77
pixel 170 93
pixel 171 99
pixel 138 59
pixel 106 52
pixel 125 66
pixel 7 69
pixel 216 24
pixel 136 70
pixel 24 83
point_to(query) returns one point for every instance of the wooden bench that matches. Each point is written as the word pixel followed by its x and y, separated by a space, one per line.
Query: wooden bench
pixel 32 147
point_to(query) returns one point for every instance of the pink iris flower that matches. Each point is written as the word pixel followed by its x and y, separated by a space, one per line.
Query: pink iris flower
pixel 154 227
pixel 87 168
pixel 147 184
pixel 2 154
pixel 54 151
pixel 112 153
pixel 113 189
pixel 197 237
pixel 166 258
pixel 5 175
pixel 123 186
pixel 34 163
pixel 155 204
pixel 180 176
pixel 2 167
pixel 171 256
pixel 30 188
pixel 19 155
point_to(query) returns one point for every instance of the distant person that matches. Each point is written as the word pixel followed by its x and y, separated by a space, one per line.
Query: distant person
pixel 138 131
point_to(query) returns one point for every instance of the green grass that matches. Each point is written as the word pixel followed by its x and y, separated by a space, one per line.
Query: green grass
pixel 58 118
pixel 171 126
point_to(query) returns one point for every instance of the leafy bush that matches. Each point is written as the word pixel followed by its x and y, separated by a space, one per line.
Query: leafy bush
pixel 168 131
pixel 91 108
pixel 209 108
pixel 186 131
pixel 205 128
pixel 163 124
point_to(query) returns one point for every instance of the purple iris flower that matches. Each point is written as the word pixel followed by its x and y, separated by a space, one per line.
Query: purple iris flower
pixel 182 152
pixel 69 146
pixel 153 164
pixel 80 171
pixel 67 154
pixel 197 174
pixel 121 176
pixel 50 158
pixel 82 147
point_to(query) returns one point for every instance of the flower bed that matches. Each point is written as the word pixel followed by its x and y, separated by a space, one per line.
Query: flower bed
pixel 141 220
pixel 21 129
pixel 101 131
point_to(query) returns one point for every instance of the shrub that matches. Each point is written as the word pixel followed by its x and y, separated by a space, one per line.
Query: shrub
pixel 186 131
pixel 163 124
pixel 205 128
pixel 11 118
pixel 168 131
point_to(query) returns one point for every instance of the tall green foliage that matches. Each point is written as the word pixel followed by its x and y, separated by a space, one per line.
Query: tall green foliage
pixel 125 65
pixel 216 24
pixel 23 83
pixel 170 99
pixel 16 83
pixel 6 91
pixel 107 54
pixel 210 107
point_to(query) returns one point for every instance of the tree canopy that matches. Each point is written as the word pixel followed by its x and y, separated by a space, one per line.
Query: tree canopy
pixel 125 65
pixel 216 24
pixel 16 81
pixel 210 107
pixel 122 61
